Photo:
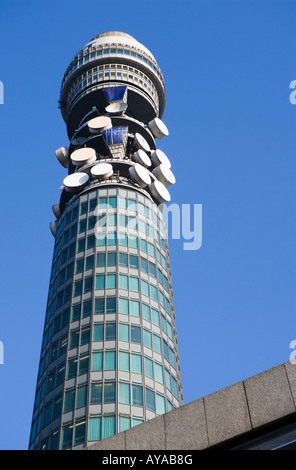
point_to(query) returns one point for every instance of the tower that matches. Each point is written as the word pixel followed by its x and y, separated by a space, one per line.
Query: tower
pixel 109 357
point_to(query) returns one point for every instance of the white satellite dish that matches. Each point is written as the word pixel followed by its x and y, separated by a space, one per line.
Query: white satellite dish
pixel 99 124
pixel 116 108
pixel 141 143
pixel 102 170
pixel 164 174
pixel 140 175
pixel 159 192
pixel 158 128
pixel 53 228
pixel 158 157
pixel 56 210
pixel 62 155
pixel 75 182
pixel 83 156
pixel 142 158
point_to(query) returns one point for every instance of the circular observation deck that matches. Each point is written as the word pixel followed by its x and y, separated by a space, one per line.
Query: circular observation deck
pixel 112 59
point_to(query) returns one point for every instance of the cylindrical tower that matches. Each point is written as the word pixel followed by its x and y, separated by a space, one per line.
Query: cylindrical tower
pixel 109 357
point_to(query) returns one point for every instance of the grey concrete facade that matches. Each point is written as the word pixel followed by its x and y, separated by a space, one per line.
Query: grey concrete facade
pixel 226 414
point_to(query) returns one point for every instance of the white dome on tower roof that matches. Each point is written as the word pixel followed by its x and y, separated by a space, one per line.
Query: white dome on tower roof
pixel 116 37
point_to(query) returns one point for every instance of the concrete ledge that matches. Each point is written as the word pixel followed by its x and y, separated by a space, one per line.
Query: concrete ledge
pixel 216 418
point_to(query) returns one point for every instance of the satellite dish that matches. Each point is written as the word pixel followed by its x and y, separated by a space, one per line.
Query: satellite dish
pixel 53 228
pixel 102 170
pixel 99 124
pixel 75 182
pixel 56 210
pixel 62 155
pixel 142 158
pixel 140 175
pixel 164 174
pixel 158 128
pixel 141 143
pixel 159 192
pixel 83 156
pixel 158 157
pixel 116 108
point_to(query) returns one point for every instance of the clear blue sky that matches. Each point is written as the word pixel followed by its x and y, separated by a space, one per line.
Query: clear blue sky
pixel 227 66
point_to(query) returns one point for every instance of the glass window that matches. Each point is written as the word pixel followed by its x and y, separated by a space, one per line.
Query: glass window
pixel 135 308
pixel 83 208
pixel 172 357
pixel 153 292
pixel 109 426
pixel 122 203
pixel 136 363
pixel 86 308
pixel 94 429
pixel 111 239
pixel 74 339
pixel 174 387
pixel 168 380
pixel 110 360
pixel 81 398
pixel 99 305
pixel 156 343
pixel 79 266
pixel 152 270
pixel 165 350
pixel 111 281
pixel 72 368
pixel 123 259
pixel 137 395
pixel 67 434
pixel 109 392
pixel 133 241
pixel 160 404
pixel 124 361
pixel 146 312
pixel 124 393
pixel 134 284
pixel 80 245
pixel 112 220
pixel 133 262
pixel 98 332
pixel 147 338
pixel 123 281
pixel 123 332
pixel 122 239
pixel 111 305
pixel 89 262
pixel 123 305
pixel 145 288
pixel 150 399
pixel 77 288
pixel 101 239
pixel 113 202
pixel 136 421
pixel 83 365
pixel 69 401
pixel 96 393
pixel 85 336
pixel 155 317
pixel 100 281
pixel 124 423
pixel 148 364
pixel 143 245
pixel 144 265
pixel 135 334
pixel 101 260
pixel 88 283
pixel 79 433
pixel 158 372
pixel 111 258
pixel 110 331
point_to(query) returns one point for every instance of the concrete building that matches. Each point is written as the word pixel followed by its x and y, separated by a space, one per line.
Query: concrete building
pixel 109 359
pixel 258 413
